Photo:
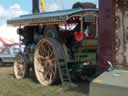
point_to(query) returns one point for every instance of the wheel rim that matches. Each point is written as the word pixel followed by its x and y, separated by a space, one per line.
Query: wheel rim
pixel 44 63
pixel 19 67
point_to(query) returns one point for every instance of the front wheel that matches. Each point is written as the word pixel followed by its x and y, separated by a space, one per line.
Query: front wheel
pixel 20 66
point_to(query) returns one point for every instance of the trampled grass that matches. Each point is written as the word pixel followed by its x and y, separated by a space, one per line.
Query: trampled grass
pixel 9 86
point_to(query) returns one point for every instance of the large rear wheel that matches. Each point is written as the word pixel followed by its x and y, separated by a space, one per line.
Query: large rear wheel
pixel 46 59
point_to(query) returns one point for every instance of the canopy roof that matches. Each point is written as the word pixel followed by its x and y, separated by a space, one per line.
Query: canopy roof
pixel 46 17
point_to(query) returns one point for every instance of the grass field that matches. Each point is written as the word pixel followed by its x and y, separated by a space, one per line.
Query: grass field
pixel 9 86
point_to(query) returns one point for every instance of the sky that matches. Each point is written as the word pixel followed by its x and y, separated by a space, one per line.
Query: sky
pixel 13 8
pixel 27 4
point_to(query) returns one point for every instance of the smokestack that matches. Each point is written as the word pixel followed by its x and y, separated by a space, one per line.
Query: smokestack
pixel 35 6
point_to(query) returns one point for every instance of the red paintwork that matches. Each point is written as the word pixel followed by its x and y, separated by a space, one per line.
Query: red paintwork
pixel 105 39
pixel 79 36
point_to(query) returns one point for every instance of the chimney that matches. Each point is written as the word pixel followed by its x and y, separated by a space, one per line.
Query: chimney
pixel 35 6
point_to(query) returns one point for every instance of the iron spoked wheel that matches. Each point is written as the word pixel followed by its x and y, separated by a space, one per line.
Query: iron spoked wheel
pixel 45 63
pixel 20 66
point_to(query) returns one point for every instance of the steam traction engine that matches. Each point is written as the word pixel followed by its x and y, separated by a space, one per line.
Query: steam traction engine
pixel 53 39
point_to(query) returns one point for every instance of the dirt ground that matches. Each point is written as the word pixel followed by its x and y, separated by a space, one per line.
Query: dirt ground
pixel 9 86
pixel 6 70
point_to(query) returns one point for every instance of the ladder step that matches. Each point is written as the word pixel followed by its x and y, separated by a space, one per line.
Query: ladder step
pixel 65 77
pixel 64 71
pixel 66 80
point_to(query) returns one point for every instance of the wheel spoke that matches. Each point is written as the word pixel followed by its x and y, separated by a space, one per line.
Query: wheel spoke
pixel 41 70
pixel 51 76
pixel 50 52
pixel 46 75
pixel 44 52
pixel 20 68
pixel 19 73
pixel 52 69
pixel 41 59
pixel 41 54
pixel 46 67
pixel 22 71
